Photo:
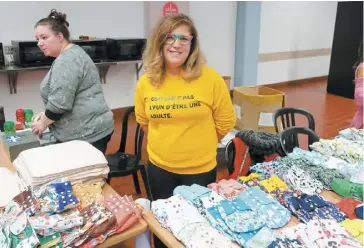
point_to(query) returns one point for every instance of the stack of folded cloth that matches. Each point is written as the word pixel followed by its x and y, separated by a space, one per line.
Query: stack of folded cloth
pixel 79 161
pixel 9 186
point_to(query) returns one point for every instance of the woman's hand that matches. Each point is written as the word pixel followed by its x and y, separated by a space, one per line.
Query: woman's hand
pixel 37 117
pixel 40 124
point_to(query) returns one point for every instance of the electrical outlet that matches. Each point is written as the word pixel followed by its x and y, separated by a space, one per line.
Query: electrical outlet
pixel 8 50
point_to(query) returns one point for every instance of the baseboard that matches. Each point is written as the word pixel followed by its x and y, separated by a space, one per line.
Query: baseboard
pixel 299 81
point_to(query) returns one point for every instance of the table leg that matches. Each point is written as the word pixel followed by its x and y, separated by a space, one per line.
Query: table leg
pixel 12 80
pixel 138 68
pixel 103 69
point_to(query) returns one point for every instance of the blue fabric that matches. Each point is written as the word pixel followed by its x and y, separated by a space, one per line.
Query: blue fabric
pixel 239 217
pixel 259 236
pixel 65 196
pixel 274 214
pixel 359 211
pixel 286 243
pixel 191 193
pixel 310 207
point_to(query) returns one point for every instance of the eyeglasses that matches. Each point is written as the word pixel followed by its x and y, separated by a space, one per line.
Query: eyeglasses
pixel 183 39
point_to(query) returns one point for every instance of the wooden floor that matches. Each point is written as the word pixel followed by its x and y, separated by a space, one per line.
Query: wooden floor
pixel 332 113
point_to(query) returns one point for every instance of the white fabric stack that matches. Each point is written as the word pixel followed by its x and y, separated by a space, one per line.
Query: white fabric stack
pixel 79 161
pixel 9 186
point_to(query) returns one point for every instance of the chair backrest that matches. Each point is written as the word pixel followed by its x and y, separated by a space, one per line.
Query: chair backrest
pixel 287 116
pixel 229 156
pixel 138 138
pixel 289 138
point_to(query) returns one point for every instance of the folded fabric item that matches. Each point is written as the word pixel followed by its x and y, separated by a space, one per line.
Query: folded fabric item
pixel 286 243
pixel 353 172
pixel 56 196
pixel 305 157
pixel 50 241
pixel 253 179
pixel 347 206
pixel 274 214
pixel 70 236
pixel 352 134
pixel 207 207
pixel 310 207
pixel 204 236
pixel 347 189
pixel 21 233
pixel 98 220
pixel 239 217
pixel 11 212
pixel 321 233
pixel 88 193
pixel 229 189
pixel 355 228
pixel 274 183
pixel 46 225
pixel 9 186
pixel 28 202
pixel 182 219
pixel 74 159
pixel 125 211
pixel 297 178
pixel 191 193
pixel 267 169
pixel 250 177
pixel 312 163
pixel 359 211
pixel 95 240
pixel 263 238
pixel 347 150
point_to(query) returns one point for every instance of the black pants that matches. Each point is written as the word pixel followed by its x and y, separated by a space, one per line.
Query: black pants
pixel 101 144
pixel 162 183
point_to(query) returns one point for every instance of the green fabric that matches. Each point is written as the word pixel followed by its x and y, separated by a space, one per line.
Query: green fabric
pixel 347 189
pixel 50 241
pixel 27 233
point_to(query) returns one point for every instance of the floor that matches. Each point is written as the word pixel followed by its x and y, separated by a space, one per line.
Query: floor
pixel 332 113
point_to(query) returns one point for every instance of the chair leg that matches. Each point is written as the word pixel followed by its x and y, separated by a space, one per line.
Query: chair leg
pixel 146 182
pixel 136 182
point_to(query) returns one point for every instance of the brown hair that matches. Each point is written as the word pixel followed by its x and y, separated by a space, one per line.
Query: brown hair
pixel 153 58
pixel 57 22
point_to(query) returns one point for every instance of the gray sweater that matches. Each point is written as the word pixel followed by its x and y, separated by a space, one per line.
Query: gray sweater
pixel 73 89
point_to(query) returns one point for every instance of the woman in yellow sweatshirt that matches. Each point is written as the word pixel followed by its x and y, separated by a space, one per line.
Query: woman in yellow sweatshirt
pixel 183 106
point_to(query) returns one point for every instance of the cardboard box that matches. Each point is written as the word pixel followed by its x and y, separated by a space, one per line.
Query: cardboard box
pixel 254 107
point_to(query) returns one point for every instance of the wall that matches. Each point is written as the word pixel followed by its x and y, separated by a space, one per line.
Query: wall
pixel 87 18
pixel 247 43
pixel 215 22
pixel 295 40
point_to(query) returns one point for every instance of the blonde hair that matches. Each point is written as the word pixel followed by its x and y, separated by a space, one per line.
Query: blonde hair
pixel 153 58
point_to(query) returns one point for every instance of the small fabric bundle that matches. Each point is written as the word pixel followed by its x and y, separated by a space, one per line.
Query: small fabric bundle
pixel 56 196
pixel 88 193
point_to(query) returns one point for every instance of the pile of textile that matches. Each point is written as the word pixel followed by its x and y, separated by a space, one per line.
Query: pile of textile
pixel 10 186
pixel 79 161
pixel 59 214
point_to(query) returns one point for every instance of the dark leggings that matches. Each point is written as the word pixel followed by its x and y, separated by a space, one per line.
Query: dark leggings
pixel 101 144
pixel 162 183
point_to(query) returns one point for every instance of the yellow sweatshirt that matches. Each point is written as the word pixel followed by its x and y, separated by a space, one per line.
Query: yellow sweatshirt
pixel 183 120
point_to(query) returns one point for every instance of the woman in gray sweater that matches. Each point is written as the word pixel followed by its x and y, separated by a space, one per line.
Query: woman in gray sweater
pixel 75 107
